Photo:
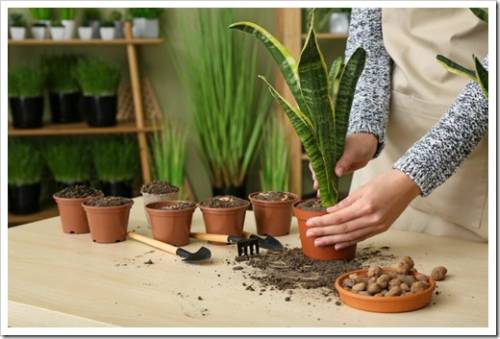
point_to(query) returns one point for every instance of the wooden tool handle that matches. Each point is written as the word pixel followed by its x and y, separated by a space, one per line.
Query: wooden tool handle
pixel 152 242
pixel 222 238
pixel 247 234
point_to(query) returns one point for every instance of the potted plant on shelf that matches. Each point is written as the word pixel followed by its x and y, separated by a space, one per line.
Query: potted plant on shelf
pixel 320 119
pixel 115 161
pixel 145 22
pixel 26 86
pixel 41 18
pixel 57 30
pixel 69 203
pixel 92 19
pixel 273 205
pixel 67 16
pixel 339 20
pixel 85 31
pixel 39 31
pixel 108 218
pixel 107 30
pixel 224 214
pixel 171 221
pixel 116 17
pixel 98 81
pixel 25 165
pixel 64 93
pixel 217 65
pixel 17 26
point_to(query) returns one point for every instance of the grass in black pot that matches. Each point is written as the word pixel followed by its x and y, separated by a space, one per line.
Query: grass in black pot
pixel 116 162
pixel 25 166
pixel 64 93
pixel 98 81
pixel 26 87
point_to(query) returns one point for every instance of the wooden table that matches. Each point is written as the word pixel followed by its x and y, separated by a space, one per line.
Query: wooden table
pixel 58 279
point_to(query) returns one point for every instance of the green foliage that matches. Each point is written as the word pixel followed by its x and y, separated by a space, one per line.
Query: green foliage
pixel 274 175
pixel 56 23
pixel 17 20
pixel 115 158
pixel 115 16
pixel 107 23
pixel 148 13
pixel 481 13
pixel 91 14
pixel 67 13
pixel 60 70
pixel 26 82
pixel 97 78
pixel 41 13
pixel 25 162
pixel 321 117
pixel 68 159
pixel 218 71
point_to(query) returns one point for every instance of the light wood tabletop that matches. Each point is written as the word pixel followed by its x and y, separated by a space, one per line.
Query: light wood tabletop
pixel 58 279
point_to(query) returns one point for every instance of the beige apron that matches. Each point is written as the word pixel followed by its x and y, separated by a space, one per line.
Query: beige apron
pixel 422 92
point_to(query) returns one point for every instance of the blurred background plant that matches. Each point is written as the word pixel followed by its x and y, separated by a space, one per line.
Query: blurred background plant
pixel 60 70
pixel 26 81
pixel 97 78
pixel 41 14
pixel 321 17
pixel 25 163
pixel 67 13
pixel 147 13
pixel 17 20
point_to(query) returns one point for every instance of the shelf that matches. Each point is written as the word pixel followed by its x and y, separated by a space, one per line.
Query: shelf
pixel 44 213
pixel 79 128
pixel 78 42
pixel 328 36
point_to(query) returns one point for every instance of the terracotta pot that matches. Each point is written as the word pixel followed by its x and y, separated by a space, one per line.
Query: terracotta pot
pixel 405 303
pixel 320 252
pixel 224 220
pixel 272 217
pixel 170 226
pixel 73 217
pixel 108 224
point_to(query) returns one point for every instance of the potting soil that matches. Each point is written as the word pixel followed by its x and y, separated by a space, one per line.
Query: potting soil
pixel 274 196
pixel 78 191
pixel 223 201
pixel 159 187
pixel 178 206
pixel 311 205
pixel 107 201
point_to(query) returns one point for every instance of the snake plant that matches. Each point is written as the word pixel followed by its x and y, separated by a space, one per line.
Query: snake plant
pixel 323 100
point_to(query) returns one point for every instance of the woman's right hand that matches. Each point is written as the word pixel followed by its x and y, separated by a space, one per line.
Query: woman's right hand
pixel 358 151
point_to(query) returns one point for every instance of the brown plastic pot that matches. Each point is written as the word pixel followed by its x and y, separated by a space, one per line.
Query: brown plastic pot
pixel 170 226
pixel 224 220
pixel 73 218
pixel 108 224
pixel 272 217
pixel 405 303
pixel 318 252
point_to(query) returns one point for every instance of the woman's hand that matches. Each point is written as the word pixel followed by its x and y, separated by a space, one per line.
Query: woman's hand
pixel 359 149
pixel 369 210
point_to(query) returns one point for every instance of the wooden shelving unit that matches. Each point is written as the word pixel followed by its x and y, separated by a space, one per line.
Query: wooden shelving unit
pixel 327 36
pixel 78 42
pixel 44 213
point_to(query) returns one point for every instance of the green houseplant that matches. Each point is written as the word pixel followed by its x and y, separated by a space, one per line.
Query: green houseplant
pixel 99 82
pixel 324 100
pixel 145 22
pixel 92 19
pixel 41 18
pixel 26 87
pixel 17 26
pixel 25 165
pixel 67 17
pixel 57 30
pixel 116 17
pixel 115 161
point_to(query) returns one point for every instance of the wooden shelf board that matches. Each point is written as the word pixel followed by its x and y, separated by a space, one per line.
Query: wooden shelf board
pixel 44 213
pixel 328 36
pixel 49 42
pixel 80 128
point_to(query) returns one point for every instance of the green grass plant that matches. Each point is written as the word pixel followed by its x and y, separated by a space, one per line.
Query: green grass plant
pixel 25 162
pixel 97 78
pixel 148 13
pixel 26 81
pixel 116 158
pixel 68 159
pixel 60 70
pixel 17 20
pixel 91 14
pixel 67 13
pixel 41 13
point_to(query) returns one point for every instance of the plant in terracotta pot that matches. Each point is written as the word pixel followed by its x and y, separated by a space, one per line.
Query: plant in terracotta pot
pixel 25 165
pixel 69 203
pixel 17 26
pixel 224 214
pixel 26 89
pixel 171 221
pixel 108 218
pixel 320 119
pixel 116 162
pixel 158 190
pixel 99 82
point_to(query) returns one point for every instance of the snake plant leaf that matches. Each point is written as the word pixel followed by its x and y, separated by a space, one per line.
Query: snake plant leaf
pixel 455 68
pixel 482 76
pixel 343 102
pixel 334 77
pixel 481 13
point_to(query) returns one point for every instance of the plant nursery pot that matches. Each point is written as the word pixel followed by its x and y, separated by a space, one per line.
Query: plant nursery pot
pixel 108 224
pixel 118 29
pixel 170 226
pixel 18 33
pixel 151 28
pixel 26 112
pixel 118 188
pixel 138 27
pixel 237 191
pixel 107 33
pixel 308 247
pixel 228 221
pixel 396 304
pixel 73 217
pixel 101 110
pixel 38 33
pixel 64 107
pixel 24 199
pixel 69 29
pixel 272 217
pixel 85 33
pixel 57 33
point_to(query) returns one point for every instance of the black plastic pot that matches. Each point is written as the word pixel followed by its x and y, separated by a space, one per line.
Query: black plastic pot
pixel 238 191
pixel 120 188
pixel 63 185
pixel 64 107
pixel 24 199
pixel 100 110
pixel 26 112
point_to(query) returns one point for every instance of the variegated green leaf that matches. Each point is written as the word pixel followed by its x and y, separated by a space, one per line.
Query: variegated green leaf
pixel 455 68
pixel 334 77
pixel 481 13
pixel 482 76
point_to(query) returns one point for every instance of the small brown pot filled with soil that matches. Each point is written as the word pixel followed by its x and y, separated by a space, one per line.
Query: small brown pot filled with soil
pixel 108 218
pixel 171 221
pixel 224 214
pixel 304 210
pixel 158 191
pixel 69 203
pixel 273 212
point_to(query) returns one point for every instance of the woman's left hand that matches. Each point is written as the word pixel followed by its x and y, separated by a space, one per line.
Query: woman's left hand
pixel 369 210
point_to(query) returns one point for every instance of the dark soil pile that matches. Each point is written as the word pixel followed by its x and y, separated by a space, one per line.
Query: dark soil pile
pixel 159 187
pixel 223 201
pixel 274 196
pixel 311 205
pixel 78 191
pixel 178 206
pixel 107 201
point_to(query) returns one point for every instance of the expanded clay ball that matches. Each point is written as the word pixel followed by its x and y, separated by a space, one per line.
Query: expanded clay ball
pixel 421 277
pixel 383 280
pixel 348 283
pixel 404 287
pixel 394 291
pixel 408 260
pixel 439 273
pixel 359 287
pixel 395 282
pixel 407 279
pixel 374 271
pixel 418 286
pixel 354 276
pixel 373 288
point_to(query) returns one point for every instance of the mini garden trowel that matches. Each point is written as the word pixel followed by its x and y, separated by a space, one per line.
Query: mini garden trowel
pixel 202 254
pixel 246 246
pixel 269 242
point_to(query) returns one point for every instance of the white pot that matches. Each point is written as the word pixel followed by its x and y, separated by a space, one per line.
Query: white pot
pixel 69 29
pixel 339 23
pixel 138 27
pixel 38 33
pixel 85 33
pixel 57 33
pixel 151 28
pixel 107 33
pixel 18 33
